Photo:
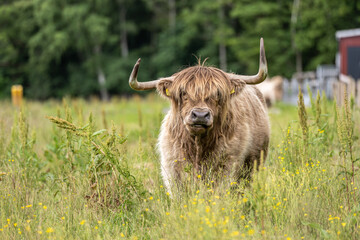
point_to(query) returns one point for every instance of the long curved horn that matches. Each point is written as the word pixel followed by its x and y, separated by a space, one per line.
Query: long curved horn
pixel 134 84
pixel 262 73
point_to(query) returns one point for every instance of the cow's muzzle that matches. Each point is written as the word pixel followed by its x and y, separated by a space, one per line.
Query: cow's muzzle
pixel 199 120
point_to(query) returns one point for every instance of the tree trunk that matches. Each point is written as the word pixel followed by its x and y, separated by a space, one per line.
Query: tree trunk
pixel 172 15
pixel 294 17
pixel 222 57
pixel 123 36
pixel 222 46
pixel 100 75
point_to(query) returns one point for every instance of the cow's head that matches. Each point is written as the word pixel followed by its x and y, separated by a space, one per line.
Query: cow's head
pixel 199 94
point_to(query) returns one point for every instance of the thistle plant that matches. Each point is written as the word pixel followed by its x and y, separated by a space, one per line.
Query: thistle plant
pixel 303 117
pixel 345 132
pixel 110 182
pixel 318 111
pixel 68 126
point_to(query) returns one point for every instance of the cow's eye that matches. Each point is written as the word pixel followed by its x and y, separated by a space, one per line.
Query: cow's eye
pixel 184 96
pixel 210 100
pixel 218 98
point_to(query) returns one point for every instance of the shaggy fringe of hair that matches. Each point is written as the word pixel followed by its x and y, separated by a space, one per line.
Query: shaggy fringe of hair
pixel 201 82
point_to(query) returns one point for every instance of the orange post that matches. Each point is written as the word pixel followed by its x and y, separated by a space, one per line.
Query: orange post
pixel 16 95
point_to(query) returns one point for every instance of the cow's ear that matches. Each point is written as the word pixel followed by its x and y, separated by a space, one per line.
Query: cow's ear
pixel 237 86
pixel 163 87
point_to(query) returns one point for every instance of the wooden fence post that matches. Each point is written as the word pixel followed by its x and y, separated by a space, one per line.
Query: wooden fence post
pixel 17 95
pixel 347 84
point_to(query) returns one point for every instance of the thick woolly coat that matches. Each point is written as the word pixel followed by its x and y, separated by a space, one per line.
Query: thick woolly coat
pixel 240 133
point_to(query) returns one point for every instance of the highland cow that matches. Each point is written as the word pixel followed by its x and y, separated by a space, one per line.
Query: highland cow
pixel 217 121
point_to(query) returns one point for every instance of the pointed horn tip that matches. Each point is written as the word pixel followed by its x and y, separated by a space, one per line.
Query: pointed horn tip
pixel 138 62
pixel 262 52
pixel 261 43
pixel 134 73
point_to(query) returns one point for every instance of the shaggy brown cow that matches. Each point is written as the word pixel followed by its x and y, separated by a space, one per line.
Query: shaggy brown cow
pixel 217 121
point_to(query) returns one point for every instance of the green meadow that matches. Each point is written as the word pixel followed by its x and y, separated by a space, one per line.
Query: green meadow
pixel 84 169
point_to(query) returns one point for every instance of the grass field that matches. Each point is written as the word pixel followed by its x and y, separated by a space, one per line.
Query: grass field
pixel 63 176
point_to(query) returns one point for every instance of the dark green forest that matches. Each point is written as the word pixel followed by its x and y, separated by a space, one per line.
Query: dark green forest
pixel 57 48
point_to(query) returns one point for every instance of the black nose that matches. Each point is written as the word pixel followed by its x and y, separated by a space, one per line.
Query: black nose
pixel 200 115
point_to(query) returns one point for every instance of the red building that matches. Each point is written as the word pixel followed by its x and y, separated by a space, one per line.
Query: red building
pixel 348 59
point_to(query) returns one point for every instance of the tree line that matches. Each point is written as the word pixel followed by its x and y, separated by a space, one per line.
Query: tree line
pixel 83 48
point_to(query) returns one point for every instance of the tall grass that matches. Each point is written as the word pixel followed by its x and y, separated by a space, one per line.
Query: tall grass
pixel 68 174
